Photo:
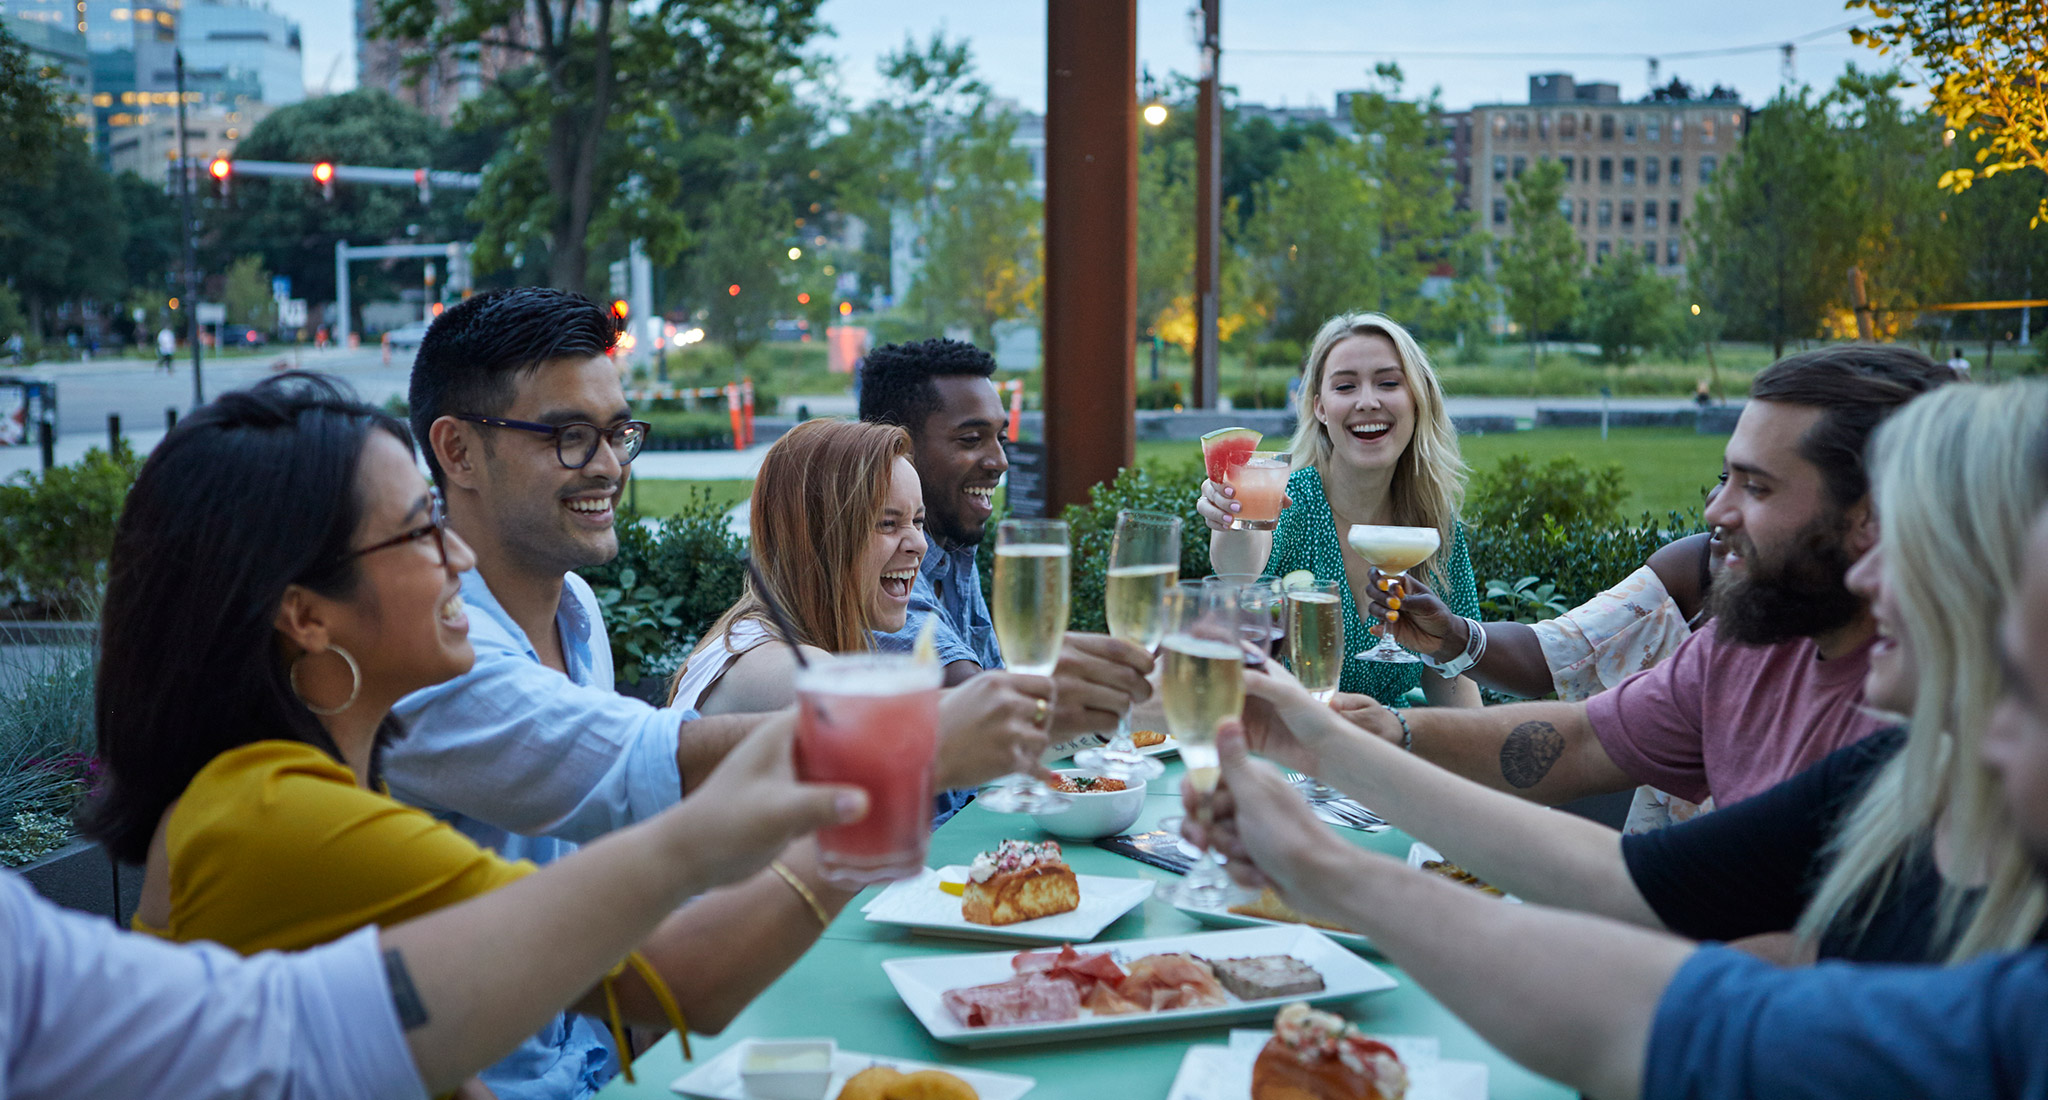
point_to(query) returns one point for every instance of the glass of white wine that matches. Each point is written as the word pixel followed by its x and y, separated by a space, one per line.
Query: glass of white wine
pixel 1393 550
pixel 1202 684
pixel 1144 562
pixel 1315 652
pixel 1031 618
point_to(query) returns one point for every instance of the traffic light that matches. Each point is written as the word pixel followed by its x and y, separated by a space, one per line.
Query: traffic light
pixel 620 308
pixel 803 298
pixel 419 180
pixel 222 170
pixel 323 174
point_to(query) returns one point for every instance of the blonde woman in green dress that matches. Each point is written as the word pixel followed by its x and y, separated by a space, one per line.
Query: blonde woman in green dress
pixel 1374 445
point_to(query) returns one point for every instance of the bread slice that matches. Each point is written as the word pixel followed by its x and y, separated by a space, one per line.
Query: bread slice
pixel 1268 906
pixel 1040 890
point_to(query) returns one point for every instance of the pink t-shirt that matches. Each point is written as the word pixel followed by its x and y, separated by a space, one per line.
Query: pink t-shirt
pixel 1731 720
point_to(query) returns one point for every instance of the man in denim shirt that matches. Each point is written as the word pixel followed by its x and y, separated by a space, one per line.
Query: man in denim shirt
pixel 939 391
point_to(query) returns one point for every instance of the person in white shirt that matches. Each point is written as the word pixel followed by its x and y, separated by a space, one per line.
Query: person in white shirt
pixel 1959 365
pixel 166 347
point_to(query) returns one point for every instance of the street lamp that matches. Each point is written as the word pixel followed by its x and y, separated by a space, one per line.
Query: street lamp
pixel 796 253
pixel 1155 114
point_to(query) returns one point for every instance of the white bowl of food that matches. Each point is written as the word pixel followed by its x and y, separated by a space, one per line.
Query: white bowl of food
pixel 1096 807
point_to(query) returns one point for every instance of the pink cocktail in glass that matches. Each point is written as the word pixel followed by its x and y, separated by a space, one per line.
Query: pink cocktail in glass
pixel 1260 484
pixel 872 720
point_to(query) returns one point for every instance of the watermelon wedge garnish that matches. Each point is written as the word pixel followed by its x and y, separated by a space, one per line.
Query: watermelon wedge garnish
pixel 1226 449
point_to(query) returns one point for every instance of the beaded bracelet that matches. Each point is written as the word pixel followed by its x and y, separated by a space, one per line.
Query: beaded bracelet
pixel 1407 735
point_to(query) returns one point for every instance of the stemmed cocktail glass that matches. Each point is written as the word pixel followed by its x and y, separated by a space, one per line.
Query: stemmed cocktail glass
pixel 1144 564
pixel 1394 551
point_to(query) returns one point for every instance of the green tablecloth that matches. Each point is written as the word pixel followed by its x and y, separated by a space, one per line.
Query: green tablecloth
pixel 838 990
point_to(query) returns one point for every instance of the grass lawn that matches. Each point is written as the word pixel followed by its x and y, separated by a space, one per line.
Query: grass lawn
pixel 1664 468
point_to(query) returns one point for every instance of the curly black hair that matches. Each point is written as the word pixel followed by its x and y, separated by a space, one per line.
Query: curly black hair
pixel 896 380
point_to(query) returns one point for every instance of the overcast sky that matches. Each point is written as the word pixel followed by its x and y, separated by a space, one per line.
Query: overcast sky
pixel 1302 52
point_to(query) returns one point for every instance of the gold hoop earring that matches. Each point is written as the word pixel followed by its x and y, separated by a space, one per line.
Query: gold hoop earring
pixel 355 676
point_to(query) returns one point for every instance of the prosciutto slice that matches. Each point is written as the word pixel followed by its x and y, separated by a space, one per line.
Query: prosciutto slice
pixel 1067 964
pixel 1025 999
pixel 1158 983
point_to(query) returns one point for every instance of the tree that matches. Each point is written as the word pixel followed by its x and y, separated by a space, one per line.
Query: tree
pixel 1983 58
pixel 1539 262
pixel 247 295
pixel 739 263
pixel 982 263
pixel 1313 240
pixel 580 171
pixel 1900 237
pixel 1420 226
pixel 1771 237
pixel 1626 306
pixel 1166 229
pixel 63 240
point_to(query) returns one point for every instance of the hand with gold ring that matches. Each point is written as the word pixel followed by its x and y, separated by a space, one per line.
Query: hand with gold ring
pixel 990 725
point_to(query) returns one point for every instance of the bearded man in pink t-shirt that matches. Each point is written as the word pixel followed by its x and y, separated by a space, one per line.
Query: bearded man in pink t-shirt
pixel 1775 681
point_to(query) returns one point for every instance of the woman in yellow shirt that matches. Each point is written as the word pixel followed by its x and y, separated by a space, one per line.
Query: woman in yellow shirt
pixel 280 576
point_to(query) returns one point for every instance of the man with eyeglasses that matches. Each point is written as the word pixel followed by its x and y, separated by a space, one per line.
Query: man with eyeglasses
pixel 525 428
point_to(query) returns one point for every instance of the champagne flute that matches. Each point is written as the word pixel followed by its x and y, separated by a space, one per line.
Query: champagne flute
pixel 1315 653
pixel 1202 684
pixel 1144 562
pixel 1393 550
pixel 1031 619
pixel 1264 621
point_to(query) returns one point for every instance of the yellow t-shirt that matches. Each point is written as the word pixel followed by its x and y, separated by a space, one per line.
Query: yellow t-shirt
pixel 274 847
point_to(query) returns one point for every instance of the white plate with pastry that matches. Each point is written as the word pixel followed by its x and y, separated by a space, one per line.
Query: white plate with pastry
pixel 922 905
pixel 1225 1073
pixel 1166 745
pixel 1266 911
pixel 720 1079
pixel 1127 986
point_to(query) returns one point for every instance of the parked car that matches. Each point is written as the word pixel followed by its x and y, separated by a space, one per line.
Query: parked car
pixel 409 336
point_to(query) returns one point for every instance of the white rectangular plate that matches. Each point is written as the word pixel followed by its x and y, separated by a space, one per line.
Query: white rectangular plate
pixel 719 1079
pixel 919 905
pixel 1221 917
pixel 1225 1073
pixel 1420 853
pixel 920 982
pixel 1168 747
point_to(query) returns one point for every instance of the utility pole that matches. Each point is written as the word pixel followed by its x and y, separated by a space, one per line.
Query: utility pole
pixel 1208 197
pixel 191 250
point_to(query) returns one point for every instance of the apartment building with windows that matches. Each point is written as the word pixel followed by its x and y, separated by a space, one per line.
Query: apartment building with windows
pixel 1633 171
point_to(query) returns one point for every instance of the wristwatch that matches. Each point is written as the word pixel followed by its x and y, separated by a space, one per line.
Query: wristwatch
pixel 1475 648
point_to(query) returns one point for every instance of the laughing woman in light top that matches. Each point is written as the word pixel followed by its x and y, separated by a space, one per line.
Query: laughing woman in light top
pixel 1374 445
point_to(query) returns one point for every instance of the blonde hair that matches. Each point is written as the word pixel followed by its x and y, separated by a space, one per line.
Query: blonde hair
pixel 1429 483
pixel 816 499
pixel 1956 490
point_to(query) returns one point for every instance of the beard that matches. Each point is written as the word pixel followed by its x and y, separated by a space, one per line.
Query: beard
pixel 1799 592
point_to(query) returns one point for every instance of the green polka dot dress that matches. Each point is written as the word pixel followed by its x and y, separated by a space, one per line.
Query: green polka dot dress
pixel 1307 539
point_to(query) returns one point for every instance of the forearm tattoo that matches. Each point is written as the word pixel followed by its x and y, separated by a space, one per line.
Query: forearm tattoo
pixel 412 1012
pixel 1529 752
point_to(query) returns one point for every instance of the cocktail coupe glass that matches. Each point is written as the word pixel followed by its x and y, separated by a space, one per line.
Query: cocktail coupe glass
pixel 1031 590
pixel 1144 563
pixel 1258 487
pixel 1202 685
pixel 1394 551
pixel 1315 654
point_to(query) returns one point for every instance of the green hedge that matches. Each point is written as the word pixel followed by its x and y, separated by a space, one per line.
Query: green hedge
pixel 57 528
pixel 672 579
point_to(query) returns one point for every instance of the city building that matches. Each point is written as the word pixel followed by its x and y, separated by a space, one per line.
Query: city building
pixel 211 130
pixel 59 49
pixel 238 54
pixel 1634 171
pixel 437 84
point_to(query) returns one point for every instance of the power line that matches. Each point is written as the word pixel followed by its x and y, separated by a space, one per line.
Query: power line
pixel 1524 55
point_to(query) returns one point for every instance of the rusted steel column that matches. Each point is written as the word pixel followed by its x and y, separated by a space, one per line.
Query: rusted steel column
pixel 1208 376
pixel 1091 243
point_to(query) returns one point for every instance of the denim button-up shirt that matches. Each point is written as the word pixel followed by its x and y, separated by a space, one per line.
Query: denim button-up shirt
pixel 528 761
pixel 949 586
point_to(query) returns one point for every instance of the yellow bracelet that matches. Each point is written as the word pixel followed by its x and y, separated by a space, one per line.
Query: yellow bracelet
pixel 802 891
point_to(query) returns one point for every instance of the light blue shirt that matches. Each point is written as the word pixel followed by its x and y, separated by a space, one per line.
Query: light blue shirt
pixel 948 585
pixel 89 1010
pixel 529 762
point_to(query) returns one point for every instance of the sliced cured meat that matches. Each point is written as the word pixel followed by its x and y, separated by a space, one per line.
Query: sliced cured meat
pixel 1159 983
pixel 1026 999
pixel 1104 1000
pixel 1067 964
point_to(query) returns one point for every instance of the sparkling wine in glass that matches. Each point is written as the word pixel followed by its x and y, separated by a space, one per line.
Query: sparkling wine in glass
pixel 1201 685
pixel 1315 653
pixel 1144 563
pixel 1031 597
pixel 1264 621
pixel 1394 551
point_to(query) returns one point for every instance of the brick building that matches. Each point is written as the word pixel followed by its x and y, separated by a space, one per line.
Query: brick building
pixel 1633 170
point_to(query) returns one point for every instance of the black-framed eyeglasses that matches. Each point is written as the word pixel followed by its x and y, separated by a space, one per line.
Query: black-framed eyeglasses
pixel 576 441
pixel 435 528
